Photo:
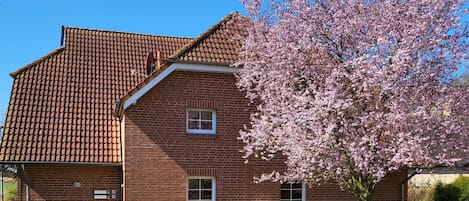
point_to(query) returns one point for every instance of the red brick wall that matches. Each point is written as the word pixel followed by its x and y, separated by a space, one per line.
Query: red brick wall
pixel 55 182
pixel 159 155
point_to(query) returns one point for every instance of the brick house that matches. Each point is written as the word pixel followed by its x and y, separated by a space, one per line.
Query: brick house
pixel 126 116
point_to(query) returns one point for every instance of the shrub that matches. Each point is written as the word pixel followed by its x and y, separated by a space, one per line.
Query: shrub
pixel 446 192
pixel 462 183
pixel 464 196
pixel 10 191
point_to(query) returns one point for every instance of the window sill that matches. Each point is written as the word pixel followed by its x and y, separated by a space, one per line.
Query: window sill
pixel 201 132
pixel 201 136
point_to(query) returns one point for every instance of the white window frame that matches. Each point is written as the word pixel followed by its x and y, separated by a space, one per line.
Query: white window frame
pixel 102 194
pixel 303 192
pixel 202 131
pixel 214 187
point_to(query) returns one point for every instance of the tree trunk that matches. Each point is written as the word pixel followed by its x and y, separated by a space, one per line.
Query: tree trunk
pixel 365 195
pixel 361 188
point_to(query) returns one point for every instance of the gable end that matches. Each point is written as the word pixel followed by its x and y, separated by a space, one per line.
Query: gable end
pixel 165 73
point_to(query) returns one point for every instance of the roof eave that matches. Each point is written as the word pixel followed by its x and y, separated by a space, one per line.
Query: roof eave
pixel 198 62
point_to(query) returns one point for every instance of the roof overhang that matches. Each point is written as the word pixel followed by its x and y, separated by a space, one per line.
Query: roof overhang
pixel 166 72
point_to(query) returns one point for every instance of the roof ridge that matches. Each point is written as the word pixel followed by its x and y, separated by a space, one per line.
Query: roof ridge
pixel 124 32
pixel 202 36
pixel 37 61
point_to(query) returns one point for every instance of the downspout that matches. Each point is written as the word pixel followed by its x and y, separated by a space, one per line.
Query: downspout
pixel 3 183
pixel 122 144
pixel 26 178
pixel 404 183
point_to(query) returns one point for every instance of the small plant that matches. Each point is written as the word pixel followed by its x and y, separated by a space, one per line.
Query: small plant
pixel 462 183
pixel 10 191
pixel 446 192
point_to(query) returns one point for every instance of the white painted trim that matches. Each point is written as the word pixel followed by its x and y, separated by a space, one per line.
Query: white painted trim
pixel 169 70
pixel 213 131
pixel 214 185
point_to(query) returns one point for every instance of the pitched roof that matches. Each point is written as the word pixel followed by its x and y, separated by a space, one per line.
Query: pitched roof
pixel 60 108
pixel 218 45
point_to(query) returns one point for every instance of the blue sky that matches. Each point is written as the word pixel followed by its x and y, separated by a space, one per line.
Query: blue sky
pixel 31 29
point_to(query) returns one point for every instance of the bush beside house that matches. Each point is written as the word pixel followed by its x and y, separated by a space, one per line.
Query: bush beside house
pixel 457 190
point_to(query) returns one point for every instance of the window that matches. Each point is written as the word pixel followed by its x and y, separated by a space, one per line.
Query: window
pixel 201 189
pixel 105 194
pixel 201 121
pixel 292 192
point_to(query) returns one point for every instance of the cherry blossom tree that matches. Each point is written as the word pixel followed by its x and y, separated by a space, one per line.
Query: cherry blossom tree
pixel 462 80
pixel 351 91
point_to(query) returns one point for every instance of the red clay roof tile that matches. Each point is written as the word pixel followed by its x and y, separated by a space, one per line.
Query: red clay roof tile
pixel 61 105
pixel 60 108
pixel 218 45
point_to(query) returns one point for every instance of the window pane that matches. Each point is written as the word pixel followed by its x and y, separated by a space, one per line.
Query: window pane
pixel 285 194
pixel 193 184
pixel 206 115
pixel 285 186
pixel 207 194
pixel 206 125
pixel 206 184
pixel 193 125
pixel 100 197
pixel 296 186
pixel 194 195
pixel 296 194
pixel 194 114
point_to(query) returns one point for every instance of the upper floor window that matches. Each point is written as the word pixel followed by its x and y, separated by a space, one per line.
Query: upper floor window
pixel 292 192
pixel 201 189
pixel 201 121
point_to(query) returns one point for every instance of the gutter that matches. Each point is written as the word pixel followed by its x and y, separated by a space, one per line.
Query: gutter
pixel 118 107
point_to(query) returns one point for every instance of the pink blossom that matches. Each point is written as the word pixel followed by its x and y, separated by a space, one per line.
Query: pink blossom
pixel 351 89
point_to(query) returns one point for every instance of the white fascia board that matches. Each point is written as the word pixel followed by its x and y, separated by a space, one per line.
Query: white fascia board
pixel 172 68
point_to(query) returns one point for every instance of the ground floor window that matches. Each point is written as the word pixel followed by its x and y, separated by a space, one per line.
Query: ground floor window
pixel 292 192
pixel 201 189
